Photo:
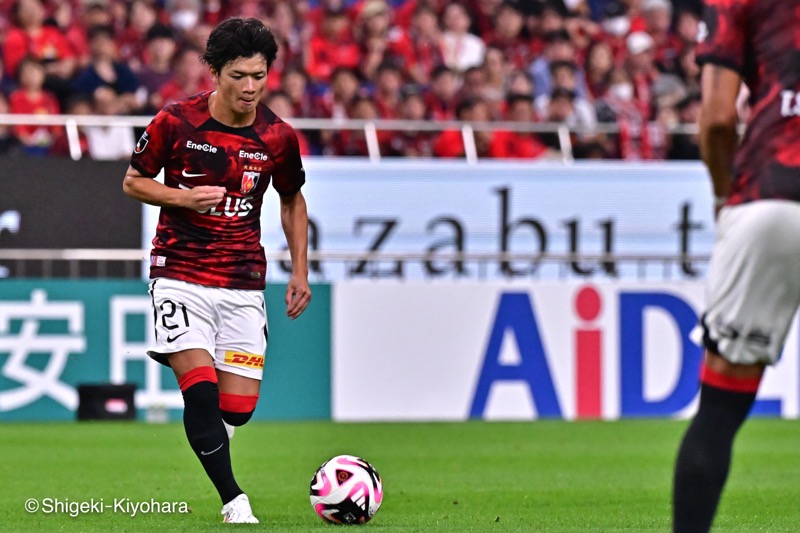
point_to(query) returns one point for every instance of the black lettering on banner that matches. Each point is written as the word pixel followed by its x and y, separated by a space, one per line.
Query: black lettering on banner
pixel 685 226
pixel 608 245
pixel 507 227
pixel 456 242
pixel 573 227
pixel 573 230
pixel 387 225
pixel 313 245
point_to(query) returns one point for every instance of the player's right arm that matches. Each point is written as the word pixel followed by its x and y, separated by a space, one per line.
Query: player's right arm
pixel 150 191
pixel 721 51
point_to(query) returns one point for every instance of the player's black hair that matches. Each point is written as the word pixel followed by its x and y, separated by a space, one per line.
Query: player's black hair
pixel 238 37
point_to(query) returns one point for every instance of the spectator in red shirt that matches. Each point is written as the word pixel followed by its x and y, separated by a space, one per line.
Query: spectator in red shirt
pixel 132 40
pixel 657 15
pixel 615 27
pixel 30 37
pixel 507 34
pixel 295 83
pixel 79 104
pixel 190 76
pixel 73 21
pixel 412 143
pixel 381 42
pixel 405 12
pixel 450 143
pixel 426 37
pixel 315 16
pixel 516 144
pixel 473 83
pixel 599 65
pixel 280 104
pixel 641 68
pixel 31 98
pixel 332 47
pixel 441 98
pixel 483 16
pixel 388 80
pixel 336 99
pixel 7 140
pixel 292 39
pixel 354 142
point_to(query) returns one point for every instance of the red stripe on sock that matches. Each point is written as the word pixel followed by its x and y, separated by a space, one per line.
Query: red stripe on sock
pixel 196 375
pixel 721 381
pixel 237 403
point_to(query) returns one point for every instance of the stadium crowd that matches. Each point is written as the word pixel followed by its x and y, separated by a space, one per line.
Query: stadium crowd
pixel 575 62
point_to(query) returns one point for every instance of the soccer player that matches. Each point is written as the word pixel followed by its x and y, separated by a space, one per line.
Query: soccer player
pixel 754 277
pixel 219 151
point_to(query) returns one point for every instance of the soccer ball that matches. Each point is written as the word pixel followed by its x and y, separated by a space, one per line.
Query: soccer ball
pixel 346 490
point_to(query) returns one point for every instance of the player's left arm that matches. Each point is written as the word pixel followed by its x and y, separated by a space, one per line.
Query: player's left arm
pixel 294 219
pixel 718 125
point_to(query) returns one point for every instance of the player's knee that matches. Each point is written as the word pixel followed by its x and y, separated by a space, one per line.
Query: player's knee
pixel 236 419
pixel 237 409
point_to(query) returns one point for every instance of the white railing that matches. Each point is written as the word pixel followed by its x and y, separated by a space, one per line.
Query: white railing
pixel 369 127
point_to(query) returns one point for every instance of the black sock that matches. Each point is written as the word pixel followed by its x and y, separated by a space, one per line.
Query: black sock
pixel 207 437
pixel 704 457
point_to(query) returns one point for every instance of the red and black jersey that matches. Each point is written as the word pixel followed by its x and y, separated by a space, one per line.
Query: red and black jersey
pixel 760 39
pixel 220 247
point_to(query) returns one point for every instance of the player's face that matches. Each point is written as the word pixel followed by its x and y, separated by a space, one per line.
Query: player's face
pixel 241 84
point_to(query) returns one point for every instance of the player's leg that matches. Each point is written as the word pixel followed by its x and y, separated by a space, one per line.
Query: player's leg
pixel 727 392
pixel 185 330
pixel 241 342
pixel 753 294
pixel 202 418
pixel 238 396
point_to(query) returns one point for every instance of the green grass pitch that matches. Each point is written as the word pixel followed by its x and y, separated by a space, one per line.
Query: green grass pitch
pixel 549 476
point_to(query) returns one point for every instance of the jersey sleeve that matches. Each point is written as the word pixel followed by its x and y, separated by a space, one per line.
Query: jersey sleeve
pixel 290 175
pixel 722 39
pixel 154 147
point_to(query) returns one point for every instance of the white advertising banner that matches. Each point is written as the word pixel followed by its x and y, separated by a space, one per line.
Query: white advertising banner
pixel 434 208
pixel 453 351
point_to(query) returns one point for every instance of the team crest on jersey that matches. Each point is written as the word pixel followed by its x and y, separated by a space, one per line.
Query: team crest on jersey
pixel 142 143
pixel 249 181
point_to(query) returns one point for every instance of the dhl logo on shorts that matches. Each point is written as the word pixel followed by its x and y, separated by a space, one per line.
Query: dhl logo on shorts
pixel 247 360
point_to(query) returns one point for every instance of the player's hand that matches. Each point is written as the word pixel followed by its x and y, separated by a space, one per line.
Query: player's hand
pixel 298 295
pixel 204 197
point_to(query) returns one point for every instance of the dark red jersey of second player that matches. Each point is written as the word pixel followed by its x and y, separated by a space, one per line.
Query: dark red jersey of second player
pixel 760 39
pixel 220 247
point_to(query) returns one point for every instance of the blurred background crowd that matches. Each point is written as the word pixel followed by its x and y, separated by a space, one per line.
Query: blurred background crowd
pixel 583 63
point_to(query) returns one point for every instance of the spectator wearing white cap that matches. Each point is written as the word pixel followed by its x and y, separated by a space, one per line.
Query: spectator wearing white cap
pixel 640 67
pixel 657 15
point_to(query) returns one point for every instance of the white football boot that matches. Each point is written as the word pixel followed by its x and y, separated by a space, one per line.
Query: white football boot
pixel 238 511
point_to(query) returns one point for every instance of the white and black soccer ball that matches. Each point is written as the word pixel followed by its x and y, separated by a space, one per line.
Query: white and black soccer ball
pixel 346 490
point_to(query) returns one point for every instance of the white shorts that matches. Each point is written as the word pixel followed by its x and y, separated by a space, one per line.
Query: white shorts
pixel 230 324
pixel 753 281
